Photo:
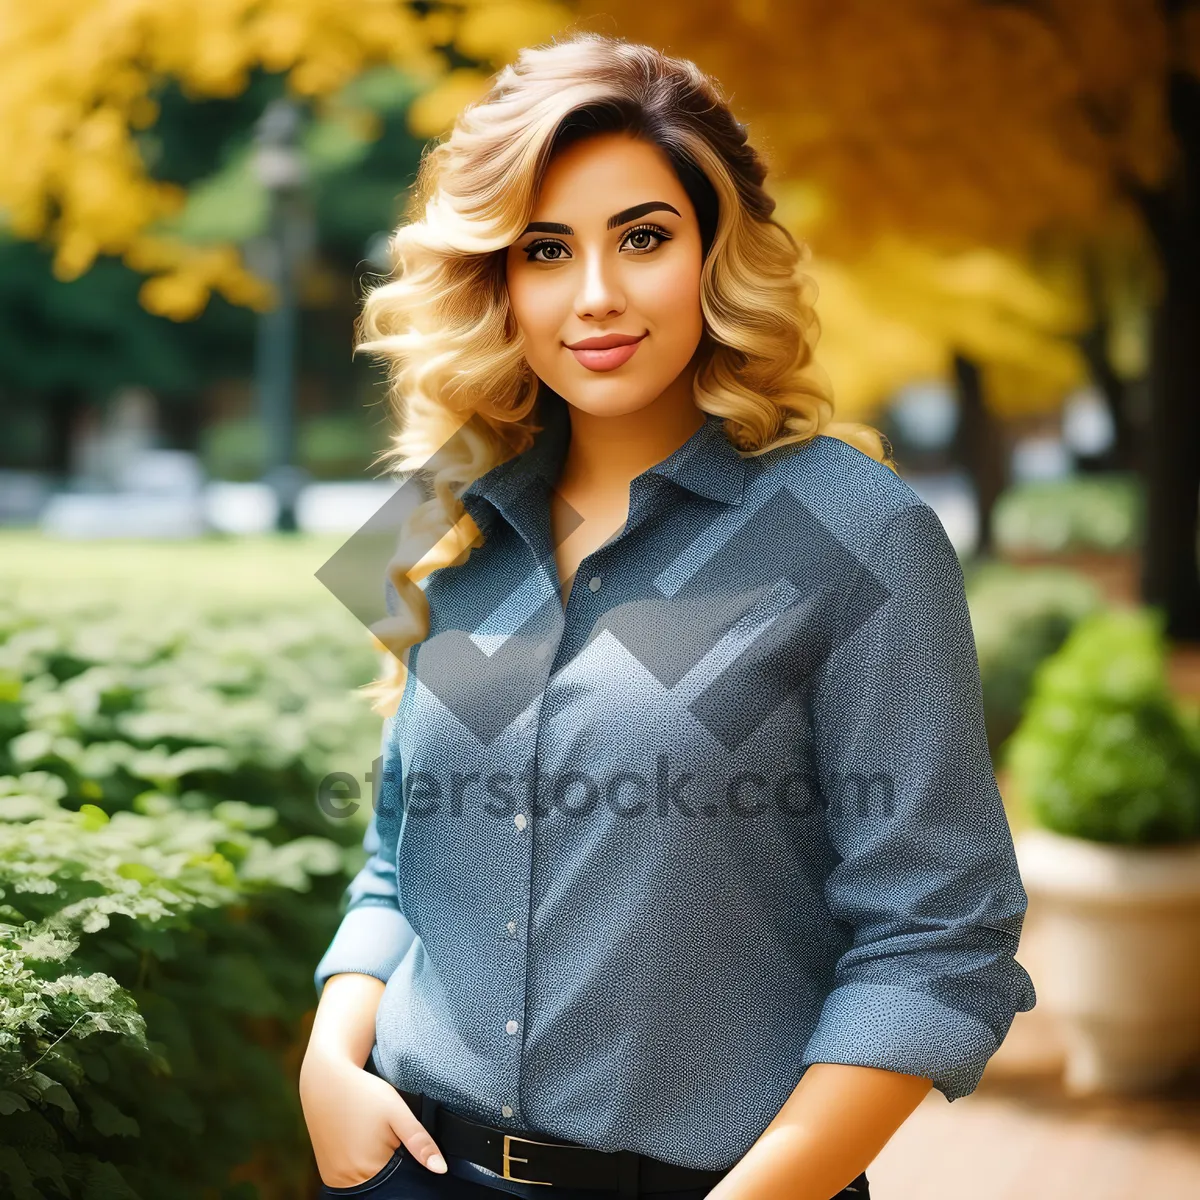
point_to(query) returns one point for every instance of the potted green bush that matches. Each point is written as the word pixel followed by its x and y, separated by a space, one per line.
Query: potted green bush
pixel 1106 761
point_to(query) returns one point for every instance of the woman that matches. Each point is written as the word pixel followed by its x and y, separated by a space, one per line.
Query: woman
pixel 688 874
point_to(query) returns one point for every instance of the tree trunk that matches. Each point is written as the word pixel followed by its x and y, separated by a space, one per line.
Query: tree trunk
pixel 62 407
pixel 1093 344
pixel 981 446
pixel 1170 577
pixel 1171 450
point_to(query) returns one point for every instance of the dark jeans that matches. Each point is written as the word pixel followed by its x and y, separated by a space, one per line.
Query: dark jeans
pixel 404 1178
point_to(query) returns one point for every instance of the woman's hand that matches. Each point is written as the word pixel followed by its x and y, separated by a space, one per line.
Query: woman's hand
pixel 356 1121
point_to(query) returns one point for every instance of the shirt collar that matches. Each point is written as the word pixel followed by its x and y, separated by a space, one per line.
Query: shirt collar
pixel 707 464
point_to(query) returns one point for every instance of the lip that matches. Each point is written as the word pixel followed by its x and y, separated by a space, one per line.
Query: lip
pixel 608 352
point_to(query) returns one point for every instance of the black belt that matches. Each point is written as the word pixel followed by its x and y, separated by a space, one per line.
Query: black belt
pixel 557 1163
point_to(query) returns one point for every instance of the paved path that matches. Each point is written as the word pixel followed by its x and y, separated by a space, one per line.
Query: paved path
pixel 1019 1137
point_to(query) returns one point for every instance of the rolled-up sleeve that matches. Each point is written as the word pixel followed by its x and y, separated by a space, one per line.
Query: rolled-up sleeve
pixel 926 875
pixel 374 934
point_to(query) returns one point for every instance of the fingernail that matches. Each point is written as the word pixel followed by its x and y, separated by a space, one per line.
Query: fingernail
pixel 437 1163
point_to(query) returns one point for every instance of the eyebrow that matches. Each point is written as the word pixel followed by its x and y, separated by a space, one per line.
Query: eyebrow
pixel 626 214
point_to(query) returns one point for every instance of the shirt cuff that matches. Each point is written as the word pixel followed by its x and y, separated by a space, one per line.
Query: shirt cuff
pixel 898 1029
pixel 371 940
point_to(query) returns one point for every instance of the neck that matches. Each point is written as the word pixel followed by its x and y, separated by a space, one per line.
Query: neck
pixel 606 451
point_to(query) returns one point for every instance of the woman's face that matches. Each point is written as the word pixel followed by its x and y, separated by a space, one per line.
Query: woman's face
pixel 612 253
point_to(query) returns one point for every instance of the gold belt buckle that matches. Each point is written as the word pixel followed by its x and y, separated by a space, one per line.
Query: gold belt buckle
pixel 509 1158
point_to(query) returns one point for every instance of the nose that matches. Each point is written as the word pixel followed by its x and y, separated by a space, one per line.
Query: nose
pixel 600 294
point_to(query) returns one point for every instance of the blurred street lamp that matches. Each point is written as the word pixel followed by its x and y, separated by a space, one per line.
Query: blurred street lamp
pixel 280 167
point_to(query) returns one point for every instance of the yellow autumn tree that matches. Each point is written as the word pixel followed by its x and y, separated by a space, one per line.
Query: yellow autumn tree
pixel 952 124
pixel 961 122
pixel 78 80
pixel 1046 131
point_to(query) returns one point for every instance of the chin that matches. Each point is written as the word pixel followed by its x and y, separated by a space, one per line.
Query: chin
pixel 613 398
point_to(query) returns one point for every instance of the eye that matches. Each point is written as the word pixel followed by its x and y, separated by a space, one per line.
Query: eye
pixel 654 234
pixel 532 250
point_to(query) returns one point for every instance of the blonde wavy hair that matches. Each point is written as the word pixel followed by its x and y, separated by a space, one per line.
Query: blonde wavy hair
pixel 459 385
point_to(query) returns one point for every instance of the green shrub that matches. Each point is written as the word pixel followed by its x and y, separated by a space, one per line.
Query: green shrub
pixel 328 446
pixel 125 1064
pixel 1105 751
pixel 1020 617
pixel 167 881
pixel 1084 512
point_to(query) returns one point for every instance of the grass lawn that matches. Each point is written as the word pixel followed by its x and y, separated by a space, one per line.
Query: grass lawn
pixel 237 570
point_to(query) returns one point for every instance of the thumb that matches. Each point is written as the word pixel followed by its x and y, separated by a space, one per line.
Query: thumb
pixel 416 1138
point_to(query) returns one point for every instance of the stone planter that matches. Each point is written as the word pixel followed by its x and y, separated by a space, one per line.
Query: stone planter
pixel 1119 967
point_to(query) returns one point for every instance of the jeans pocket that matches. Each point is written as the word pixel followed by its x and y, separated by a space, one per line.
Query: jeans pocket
pixel 385 1172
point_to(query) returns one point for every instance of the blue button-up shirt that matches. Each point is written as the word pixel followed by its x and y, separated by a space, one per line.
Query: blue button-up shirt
pixel 636 864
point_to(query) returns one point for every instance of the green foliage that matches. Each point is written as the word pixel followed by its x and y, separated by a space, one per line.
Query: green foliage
pixel 1020 617
pixel 167 882
pixel 356 171
pixel 230 205
pixel 328 447
pixel 1084 512
pixel 1105 751
pixel 92 334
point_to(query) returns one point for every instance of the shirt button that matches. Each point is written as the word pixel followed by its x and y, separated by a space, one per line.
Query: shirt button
pixel 594 583
pixel 512 928
pixel 512 1027
pixel 519 820
pixel 507 1111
